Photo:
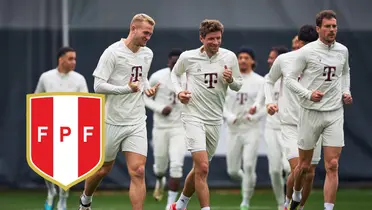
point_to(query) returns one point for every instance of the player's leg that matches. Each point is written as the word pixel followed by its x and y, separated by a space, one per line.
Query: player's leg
pixel 289 139
pixel 195 140
pixel 62 202
pixel 161 142
pixel 250 152
pixel 234 156
pixel 177 151
pixel 275 164
pixel 135 151
pixel 333 141
pixel 49 203
pixel 309 129
pixel 114 136
pixel 309 179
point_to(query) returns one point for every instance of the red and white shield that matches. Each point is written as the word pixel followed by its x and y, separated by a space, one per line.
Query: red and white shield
pixel 65 136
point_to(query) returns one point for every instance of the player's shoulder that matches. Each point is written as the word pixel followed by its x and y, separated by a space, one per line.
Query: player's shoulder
pixel 257 76
pixel 147 51
pixel 226 52
pixel 49 73
pixel 160 73
pixel 340 47
pixel 76 75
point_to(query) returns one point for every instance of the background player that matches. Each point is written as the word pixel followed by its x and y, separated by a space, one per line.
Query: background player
pixel 287 108
pixel 61 79
pixel 121 74
pixel 275 149
pixel 168 132
pixel 209 71
pixel 244 128
pixel 325 85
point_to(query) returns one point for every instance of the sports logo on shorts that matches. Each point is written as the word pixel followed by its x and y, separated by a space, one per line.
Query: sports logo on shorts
pixel 65 136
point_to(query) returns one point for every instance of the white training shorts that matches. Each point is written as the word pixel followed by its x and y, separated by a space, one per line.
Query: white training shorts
pixel 290 138
pixel 169 148
pixel 202 137
pixel 313 124
pixel 128 138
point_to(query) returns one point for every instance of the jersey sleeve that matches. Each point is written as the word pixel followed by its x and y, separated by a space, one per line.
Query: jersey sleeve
pixel 228 114
pixel 295 69
pixel 270 80
pixel 40 88
pixel 101 86
pixel 177 72
pixel 106 65
pixel 346 75
pixel 237 77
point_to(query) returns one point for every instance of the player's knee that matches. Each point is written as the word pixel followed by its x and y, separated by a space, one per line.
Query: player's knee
pixel 248 169
pixel 159 171
pixel 175 171
pixel 234 174
pixel 304 167
pixel 105 169
pixel 332 166
pixel 138 172
pixel 310 175
pixel 202 169
pixel 275 172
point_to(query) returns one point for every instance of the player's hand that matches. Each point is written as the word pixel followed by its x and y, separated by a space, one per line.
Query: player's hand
pixel 166 111
pixel 152 91
pixel 347 98
pixel 316 96
pixel 184 96
pixel 227 75
pixel 133 85
pixel 272 108
pixel 252 110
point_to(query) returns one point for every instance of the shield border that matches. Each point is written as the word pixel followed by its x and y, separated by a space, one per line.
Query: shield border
pixel 28 138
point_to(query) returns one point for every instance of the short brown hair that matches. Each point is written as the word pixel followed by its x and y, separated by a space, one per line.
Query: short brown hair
pixel 143 17
pixel 209 26
pixel 327 14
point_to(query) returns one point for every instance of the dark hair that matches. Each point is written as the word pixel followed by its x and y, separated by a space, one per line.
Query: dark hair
pixel 174 52
pixel 327 14
pixel 307 34
pixel 249 51
pixel 62 51
pixel 280 49
pixel 209 26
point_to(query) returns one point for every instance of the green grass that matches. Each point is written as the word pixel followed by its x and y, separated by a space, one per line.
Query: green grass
pixel 347 199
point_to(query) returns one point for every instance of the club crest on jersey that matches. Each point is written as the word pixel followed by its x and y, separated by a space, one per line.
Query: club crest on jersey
pixel 65 136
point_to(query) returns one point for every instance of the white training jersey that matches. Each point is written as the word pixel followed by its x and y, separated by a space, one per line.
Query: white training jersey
pixel 237 104
pixel 324 68
pixel 165 96
pixel 55 81
pixel 272 121
pixel 116 66
pixel 205 82
pixel 288 103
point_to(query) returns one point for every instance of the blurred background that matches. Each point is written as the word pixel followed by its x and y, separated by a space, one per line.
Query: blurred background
pixel 31 32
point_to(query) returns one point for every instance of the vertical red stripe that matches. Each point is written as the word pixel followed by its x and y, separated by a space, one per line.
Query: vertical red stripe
pixel 89 152
pixel 42 116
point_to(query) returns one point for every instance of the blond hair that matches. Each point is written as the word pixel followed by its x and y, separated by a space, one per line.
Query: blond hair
pixel 141 18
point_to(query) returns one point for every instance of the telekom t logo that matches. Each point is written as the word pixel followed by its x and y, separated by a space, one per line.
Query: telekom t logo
pixel 329 71
pixel 210 79
pixel 242 98
pixel 136 73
